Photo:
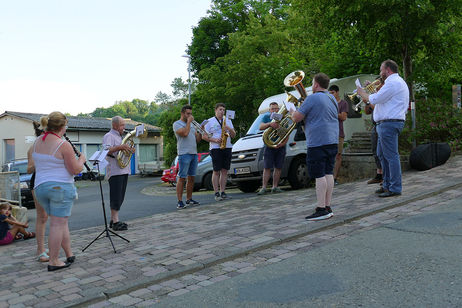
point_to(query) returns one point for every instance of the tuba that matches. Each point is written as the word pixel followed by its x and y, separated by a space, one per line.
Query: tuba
pixel 274 137
pixel 124 156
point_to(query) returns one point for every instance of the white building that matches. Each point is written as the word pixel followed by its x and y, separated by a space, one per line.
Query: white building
pixel 86 133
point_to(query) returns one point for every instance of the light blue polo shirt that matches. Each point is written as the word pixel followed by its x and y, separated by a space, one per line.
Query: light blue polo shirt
pixel 321 119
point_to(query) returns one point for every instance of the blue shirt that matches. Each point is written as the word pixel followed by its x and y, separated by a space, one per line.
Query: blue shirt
pixel 321 119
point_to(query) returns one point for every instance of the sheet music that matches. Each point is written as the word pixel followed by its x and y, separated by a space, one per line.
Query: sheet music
pixel 290 106
pixel 358 83
pixel 230 114
pixel 99 155
pixel 139 130
pixel 276 116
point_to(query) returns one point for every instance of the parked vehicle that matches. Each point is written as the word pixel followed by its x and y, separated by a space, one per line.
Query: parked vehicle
pixel 20 165
pixel 203 178
pixel 247 154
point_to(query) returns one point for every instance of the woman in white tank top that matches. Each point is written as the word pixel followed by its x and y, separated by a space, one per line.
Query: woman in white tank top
pixel 55 167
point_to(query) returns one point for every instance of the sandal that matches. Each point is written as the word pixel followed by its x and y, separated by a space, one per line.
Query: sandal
pixel 18 237
pixel 119 226
pixel 29 235
pixel 43 257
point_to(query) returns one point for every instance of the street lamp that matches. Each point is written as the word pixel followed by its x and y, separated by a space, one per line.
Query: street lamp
pixel 189 77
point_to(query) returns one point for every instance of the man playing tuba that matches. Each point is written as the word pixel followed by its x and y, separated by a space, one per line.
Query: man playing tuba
pixel 118 177
pixel 272 157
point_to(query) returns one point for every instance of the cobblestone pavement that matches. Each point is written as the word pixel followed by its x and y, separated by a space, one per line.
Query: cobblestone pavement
pixel 172 254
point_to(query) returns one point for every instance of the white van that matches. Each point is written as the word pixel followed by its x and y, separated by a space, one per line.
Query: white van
pixel 247 154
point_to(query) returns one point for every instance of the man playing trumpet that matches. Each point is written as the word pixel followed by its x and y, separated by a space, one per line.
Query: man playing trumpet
pixel 187 138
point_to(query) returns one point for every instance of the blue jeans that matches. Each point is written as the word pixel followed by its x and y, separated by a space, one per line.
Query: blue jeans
pixel 187 164
pixel 387 151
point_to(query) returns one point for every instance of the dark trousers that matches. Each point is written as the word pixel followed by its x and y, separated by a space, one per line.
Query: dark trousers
pixel 117 187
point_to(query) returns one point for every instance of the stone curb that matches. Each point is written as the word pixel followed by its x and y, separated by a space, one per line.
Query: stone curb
pixel 89 299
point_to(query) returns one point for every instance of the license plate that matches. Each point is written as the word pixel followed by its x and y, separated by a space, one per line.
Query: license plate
pixel 243 170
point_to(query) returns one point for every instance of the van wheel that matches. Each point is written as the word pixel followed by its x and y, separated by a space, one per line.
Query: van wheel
pixel 298 174
pixel 207 182
pixel 248 187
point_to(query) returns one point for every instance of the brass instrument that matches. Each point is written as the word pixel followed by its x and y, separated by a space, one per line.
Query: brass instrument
pixel 224 134
pixel 124 156
pixel 370 89
pixel 274 137
pixel 199 129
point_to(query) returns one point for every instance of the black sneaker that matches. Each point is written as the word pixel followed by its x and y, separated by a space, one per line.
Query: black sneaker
pixel 329 210
pixel 180 205
pixel 218 196
pixel 319 214
pixel 192 202
pixel 224 196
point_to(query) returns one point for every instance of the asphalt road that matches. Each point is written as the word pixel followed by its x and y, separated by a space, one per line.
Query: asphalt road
pixel 414 262
pixel 145 196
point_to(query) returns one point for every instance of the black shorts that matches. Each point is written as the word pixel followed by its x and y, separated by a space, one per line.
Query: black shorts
pixel 117 187
pixel 221 159
pixel 274 158
pixel 321 160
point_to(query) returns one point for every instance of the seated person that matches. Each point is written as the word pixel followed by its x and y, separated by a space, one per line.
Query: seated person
pixel 7 235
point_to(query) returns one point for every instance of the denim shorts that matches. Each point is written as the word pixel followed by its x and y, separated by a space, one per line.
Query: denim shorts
pixel 187 164
pixel 56 198
pixel 321 160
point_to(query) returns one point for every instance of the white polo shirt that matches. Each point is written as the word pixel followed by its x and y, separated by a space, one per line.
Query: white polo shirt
pixel 214 127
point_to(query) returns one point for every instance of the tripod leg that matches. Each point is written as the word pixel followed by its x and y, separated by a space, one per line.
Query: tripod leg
pixel 94 240
pixel 110 239
pixel 119 236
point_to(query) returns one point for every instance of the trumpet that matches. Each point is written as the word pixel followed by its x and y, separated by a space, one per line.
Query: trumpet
pixel 370 89
pixel 199 129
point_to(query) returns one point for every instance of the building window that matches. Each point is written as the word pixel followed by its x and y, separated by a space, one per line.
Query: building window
pixel 9 149
pixel 148 152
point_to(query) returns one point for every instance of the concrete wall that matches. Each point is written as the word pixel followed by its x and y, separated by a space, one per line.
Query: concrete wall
pixel 21 131
pixel 357 167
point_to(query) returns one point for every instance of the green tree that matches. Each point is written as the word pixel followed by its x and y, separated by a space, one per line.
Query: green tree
pixel 260 58
pixel 355 36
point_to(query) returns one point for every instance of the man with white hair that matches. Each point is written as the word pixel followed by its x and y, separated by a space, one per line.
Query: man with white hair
pixel 117 177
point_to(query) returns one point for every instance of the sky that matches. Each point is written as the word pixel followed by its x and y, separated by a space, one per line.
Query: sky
pixel 76 56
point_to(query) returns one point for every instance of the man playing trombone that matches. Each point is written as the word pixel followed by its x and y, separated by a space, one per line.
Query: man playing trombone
pixel 187 137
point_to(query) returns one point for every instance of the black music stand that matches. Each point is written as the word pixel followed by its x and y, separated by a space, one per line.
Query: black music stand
pixel 97 158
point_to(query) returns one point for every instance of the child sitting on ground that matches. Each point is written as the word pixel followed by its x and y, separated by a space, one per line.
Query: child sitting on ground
pixel 7 235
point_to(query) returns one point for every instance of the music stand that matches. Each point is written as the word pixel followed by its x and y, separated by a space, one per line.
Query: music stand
pixel 97 159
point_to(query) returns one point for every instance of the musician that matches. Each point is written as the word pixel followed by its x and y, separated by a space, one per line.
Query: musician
pixel 272 157
pixel 221 158
pixel 320 113
pixel 117 177
pixel 369 109
pixel 55 167
pixel 390 106
pixel 186 144
pixel 342 116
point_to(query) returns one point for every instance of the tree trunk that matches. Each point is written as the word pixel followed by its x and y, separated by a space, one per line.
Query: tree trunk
pixel 407 68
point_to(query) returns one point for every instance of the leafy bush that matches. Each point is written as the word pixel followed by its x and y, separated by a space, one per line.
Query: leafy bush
pixel 438 121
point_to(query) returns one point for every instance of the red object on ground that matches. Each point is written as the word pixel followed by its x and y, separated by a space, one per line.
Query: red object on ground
pixel 169 175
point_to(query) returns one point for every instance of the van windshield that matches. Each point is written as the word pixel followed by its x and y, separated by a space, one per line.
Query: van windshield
pixel 255 128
